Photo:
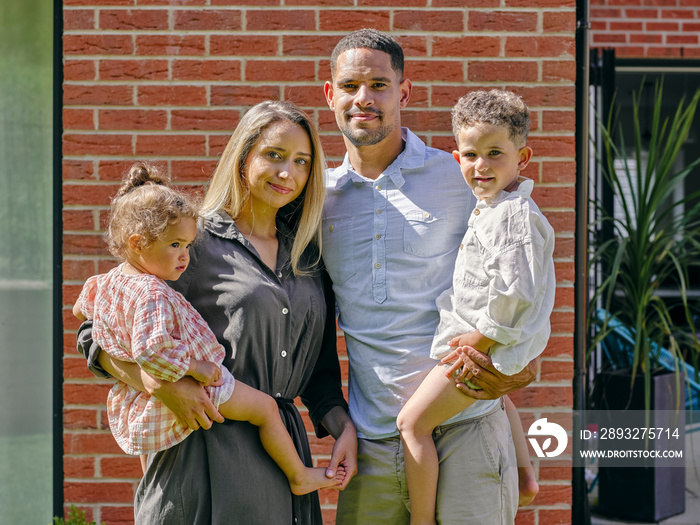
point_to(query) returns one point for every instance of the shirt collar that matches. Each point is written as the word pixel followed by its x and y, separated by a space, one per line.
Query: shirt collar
pixel 222 225
pixel 412 157
pixel 523 190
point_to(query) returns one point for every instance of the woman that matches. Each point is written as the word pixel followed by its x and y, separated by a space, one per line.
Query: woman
pixel 254 277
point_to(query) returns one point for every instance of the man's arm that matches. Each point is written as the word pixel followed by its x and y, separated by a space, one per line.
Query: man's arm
pixel 493 383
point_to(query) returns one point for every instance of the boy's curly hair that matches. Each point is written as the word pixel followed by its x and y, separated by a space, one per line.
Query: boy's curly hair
pixel 500 108
pixel 145 205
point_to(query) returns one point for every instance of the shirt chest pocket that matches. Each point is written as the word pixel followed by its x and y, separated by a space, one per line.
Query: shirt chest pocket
pixel 469 268
pixel 426 234
pixel 338 249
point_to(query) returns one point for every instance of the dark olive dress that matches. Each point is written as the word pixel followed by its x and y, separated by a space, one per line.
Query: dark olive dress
pixel 279 334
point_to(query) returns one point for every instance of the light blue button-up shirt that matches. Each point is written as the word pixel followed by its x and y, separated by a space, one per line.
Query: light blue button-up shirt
pixel 390 246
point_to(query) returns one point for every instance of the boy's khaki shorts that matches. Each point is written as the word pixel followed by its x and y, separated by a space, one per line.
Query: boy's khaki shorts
pixel 478 481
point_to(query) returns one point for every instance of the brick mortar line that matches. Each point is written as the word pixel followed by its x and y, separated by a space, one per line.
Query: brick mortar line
pixel 323 8
pixel 317 59
pixel 306 32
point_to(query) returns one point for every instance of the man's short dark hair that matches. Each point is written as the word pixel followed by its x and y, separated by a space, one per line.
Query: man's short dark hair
pixel 371 39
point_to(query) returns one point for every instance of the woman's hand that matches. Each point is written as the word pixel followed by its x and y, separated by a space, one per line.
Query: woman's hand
pixel 186 398
pixel 340 426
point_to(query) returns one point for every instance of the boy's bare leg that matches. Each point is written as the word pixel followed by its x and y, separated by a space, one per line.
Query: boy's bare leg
pixel 143 458
pixel 259 409
pixel 436 400
pixel 527 481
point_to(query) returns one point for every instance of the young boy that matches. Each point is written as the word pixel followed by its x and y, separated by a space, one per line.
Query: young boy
pixel 502 291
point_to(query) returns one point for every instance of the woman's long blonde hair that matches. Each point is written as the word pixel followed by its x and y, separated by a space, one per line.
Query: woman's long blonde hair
pixel 229 191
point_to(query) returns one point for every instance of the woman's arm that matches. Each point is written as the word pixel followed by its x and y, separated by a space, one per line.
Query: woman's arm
pixel 185 398
pixel 338 423
pixel 324 390
pixel 323 396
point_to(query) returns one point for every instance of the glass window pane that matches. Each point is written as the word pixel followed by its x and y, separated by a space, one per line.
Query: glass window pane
pixel 26 61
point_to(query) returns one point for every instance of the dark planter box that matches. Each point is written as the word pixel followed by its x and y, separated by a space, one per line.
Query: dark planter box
pixel 646 494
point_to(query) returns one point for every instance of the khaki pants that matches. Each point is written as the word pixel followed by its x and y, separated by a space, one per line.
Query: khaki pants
pixel 478 481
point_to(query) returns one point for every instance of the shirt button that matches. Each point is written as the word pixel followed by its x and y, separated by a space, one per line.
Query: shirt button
pixel 426 215
pixel 461 246
pixel 379 212
pixel 476 212
pixel 379 186
pixel 330 228
pixel 377 236
pixel 285 311
pixel 284 353
pixel 377 265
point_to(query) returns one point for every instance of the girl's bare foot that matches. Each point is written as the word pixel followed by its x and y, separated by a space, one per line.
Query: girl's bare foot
pixel 527 485
pixel 315 478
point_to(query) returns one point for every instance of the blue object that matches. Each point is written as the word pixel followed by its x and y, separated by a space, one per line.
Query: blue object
pixel 618 348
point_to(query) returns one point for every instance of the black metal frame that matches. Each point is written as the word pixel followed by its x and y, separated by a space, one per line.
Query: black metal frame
pixel 579 512
pixel 57 259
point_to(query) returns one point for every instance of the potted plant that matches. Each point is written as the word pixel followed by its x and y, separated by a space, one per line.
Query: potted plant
pixel 652 240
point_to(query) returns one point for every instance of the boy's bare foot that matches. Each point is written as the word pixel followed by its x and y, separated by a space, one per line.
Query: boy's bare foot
pixel 527 485
pixel 315 478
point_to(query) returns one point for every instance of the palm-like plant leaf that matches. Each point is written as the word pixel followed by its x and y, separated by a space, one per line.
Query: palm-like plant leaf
pixel 656 239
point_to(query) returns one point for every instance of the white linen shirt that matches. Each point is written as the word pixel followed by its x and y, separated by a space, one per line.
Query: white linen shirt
pixel 503 283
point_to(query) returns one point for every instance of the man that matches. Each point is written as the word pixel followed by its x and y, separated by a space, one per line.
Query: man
pixel 395 214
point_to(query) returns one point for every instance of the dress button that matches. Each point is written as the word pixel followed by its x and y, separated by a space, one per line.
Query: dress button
pixel 278 394
pixel 284 353
pixel 476 212
pixel 279 275
pixel 285 311
pixel 377 265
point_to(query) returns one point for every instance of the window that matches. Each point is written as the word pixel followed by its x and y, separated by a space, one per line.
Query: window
pixel 26 269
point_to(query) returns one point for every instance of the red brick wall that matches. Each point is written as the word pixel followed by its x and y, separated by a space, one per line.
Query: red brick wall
pixel 647 28
pixel 168 80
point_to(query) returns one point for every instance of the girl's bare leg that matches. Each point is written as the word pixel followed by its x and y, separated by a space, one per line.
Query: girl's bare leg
pixel 527 481
pixel 259 409
pixel 436 400
pixel 143 458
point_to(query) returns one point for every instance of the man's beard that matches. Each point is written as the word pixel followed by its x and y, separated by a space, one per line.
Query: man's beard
pixel 366 137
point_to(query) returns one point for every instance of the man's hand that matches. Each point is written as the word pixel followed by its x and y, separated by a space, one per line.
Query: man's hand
pixel 186 398
pixel 478 368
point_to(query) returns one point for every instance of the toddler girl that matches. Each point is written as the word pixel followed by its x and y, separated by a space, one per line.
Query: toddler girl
pixel 138 318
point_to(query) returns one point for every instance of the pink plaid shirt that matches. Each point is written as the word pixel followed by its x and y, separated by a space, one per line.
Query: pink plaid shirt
pixel 140 319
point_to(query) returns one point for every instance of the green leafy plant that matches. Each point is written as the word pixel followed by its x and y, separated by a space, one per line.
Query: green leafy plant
pixel 75 517
pixel 656 239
